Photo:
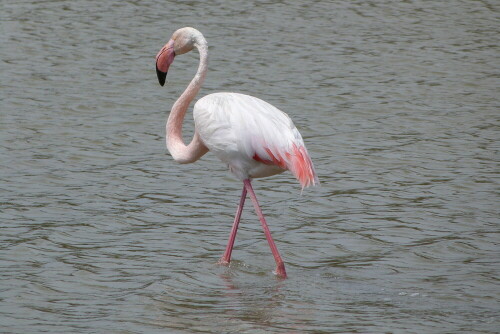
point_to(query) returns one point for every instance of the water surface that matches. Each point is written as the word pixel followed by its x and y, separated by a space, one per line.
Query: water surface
pixel 100 231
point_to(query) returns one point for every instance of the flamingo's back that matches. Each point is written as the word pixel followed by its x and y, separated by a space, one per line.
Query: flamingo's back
pixel 253 137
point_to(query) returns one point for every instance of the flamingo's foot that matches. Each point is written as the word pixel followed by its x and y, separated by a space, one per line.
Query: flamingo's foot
pixel 280 270
pixel 223 261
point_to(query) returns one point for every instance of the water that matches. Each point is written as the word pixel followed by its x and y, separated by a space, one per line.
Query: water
pixel 101 232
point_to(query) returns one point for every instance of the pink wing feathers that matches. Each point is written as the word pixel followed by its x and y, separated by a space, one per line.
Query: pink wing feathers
pixel 296 160
pixel 243 130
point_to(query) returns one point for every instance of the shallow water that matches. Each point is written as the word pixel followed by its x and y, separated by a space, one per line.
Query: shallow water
pixel 102 232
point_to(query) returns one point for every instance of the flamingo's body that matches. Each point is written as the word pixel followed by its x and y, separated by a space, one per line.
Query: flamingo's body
pixel 254 138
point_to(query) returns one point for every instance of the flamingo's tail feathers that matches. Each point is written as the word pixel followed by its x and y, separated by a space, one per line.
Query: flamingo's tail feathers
pixel 296 160
pixel 300 164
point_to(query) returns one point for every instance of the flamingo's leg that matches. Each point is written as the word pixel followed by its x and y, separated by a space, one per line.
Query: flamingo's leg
pixel 280 266
pixel 226 257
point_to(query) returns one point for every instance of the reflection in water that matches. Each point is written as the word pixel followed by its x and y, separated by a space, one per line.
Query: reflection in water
pixel 254 302
pixel 259 309
pixel 102 231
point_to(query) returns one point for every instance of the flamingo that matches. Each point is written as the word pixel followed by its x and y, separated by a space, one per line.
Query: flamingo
pixel 252 137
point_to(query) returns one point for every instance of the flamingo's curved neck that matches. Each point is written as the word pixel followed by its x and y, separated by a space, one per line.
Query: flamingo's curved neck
pixel 179 151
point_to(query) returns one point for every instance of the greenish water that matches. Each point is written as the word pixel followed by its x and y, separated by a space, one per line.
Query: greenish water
pixel 101 232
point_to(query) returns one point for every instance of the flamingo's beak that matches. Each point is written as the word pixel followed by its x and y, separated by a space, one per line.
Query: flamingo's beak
pixel 163 60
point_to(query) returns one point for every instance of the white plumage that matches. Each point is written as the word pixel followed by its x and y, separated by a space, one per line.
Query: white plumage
pixel 254 138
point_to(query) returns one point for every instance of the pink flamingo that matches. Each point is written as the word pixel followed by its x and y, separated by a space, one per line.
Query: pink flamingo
pixel 254 138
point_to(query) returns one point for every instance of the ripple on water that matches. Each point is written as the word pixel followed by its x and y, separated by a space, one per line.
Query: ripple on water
pixel 102 232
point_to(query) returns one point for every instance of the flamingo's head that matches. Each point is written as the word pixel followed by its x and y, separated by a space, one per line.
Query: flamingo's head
pixel 182 41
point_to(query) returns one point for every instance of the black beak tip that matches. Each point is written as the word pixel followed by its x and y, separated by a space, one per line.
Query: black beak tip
pixel 161 76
